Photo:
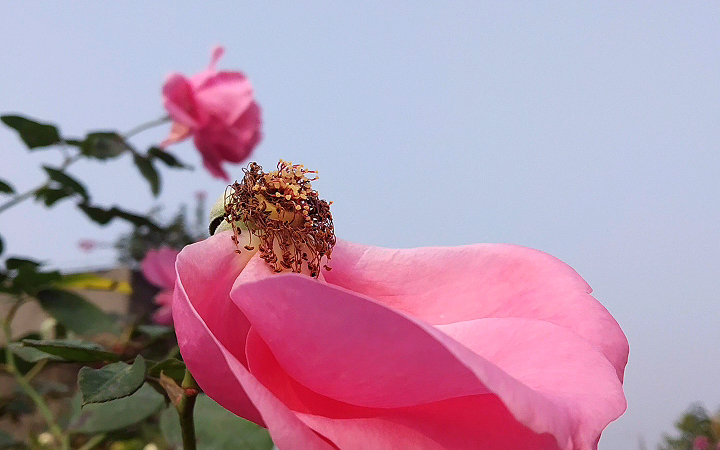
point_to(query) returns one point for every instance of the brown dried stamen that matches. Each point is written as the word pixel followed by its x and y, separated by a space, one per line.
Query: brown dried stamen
pixel 280 208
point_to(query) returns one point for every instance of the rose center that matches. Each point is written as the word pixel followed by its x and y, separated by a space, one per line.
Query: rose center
pixel 281 214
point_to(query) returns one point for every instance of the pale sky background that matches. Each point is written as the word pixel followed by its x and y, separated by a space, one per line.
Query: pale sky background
pixel 589 130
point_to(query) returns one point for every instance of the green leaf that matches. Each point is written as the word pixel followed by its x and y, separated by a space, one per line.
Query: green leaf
pixel 17 263
pixel 103 216
pixel 34 134
pixel 215 428
pixel 111 382
pixel 167 158
pixel 116 414
pixel 147 169
pixel 31 354
pixel 174 368
pixel 76 313
pixel 104 145
pixel 5 188
pixel 67 182
pixel 72 350
pixel 50 196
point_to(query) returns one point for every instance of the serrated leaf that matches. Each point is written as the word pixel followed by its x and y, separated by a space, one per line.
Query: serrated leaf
pixel 168 158
pixel 104 145
pixel 72 350
pixel 67 182
pixel 31 354
pixel 215 428
pixel 173 368
pixel 5 188
pixel 34 134
pixel 50 196
pixel 111 382
pixel 147 169
pixel 116 414
pixel 76 313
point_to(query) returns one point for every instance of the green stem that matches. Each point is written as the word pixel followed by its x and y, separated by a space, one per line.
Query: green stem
pixel 146 126
pixel 185 410
pixel 24 383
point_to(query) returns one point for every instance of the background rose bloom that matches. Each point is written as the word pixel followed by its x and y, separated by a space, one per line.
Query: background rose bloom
pixel 482 346
pixel 158 267
pixel 218 110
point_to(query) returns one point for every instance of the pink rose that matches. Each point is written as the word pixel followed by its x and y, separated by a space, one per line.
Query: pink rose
pixel 158 267
pixel 477 347
pixel 218 110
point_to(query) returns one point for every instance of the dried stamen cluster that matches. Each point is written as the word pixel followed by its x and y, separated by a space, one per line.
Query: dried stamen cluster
pixel 294 226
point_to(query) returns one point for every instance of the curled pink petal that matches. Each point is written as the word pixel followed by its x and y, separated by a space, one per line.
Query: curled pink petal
pixel 218 109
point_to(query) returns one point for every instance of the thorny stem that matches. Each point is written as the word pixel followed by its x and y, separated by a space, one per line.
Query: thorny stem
pixel 24 382
pixel 185 410
pixel 69 160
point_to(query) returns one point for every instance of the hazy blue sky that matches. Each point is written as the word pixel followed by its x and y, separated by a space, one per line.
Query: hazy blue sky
pixel 589 130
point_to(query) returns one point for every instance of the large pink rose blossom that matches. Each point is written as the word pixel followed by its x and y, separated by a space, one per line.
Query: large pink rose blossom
pixel 218 110
pixel 158 267
pixel 477 347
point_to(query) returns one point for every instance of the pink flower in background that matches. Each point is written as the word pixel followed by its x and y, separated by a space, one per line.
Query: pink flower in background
pixel 158 267
pixel 476 347
pixel 218 110
pixel 701 443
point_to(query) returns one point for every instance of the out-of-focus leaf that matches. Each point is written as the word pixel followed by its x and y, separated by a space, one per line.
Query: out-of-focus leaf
pixel 103 216
pixel 17 263
pixel 31 354
pixel 76 313
pixel 5 188
pixel 155 331
pixel 68 182
pixel 70 350
pixel 116 414
pixel 34 134
pixel 111 382
pixel 168 158
pixel 215 428
pixel 50 196
pixel 90 281
pixel 147 169
pixel 104 145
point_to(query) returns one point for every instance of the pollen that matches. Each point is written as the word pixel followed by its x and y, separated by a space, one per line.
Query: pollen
pixel 293 224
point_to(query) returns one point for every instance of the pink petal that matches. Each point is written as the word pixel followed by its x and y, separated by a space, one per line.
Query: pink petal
pixel 226 95
pixel 180 101
pixel 445 285
pixel 216 367
pixel 163 316
pixel 201 77
pixel 158 267
pixel 344 349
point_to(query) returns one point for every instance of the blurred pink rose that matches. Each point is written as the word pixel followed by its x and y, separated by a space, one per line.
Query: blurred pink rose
pixel 477 347
pixel 218 110
pixel 701 443
pixel 158 267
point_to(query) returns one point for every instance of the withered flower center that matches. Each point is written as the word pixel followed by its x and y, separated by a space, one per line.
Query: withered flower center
pixel 282 210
